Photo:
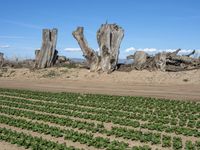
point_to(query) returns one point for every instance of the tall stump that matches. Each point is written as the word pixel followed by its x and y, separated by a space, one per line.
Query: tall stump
pixel 90 55
pixel 46 57
pixel 109 38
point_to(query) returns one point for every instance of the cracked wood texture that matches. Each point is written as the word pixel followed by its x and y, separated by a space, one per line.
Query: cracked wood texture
pixel 47 55
pixel 160 61
pixel 170 61
pixel 109 38
pixel 140 58
pixel 90 55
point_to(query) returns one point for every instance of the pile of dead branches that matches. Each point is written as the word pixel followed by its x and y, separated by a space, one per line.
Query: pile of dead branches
pixel 163 61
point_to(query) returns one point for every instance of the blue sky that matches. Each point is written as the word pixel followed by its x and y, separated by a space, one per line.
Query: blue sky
pixel 150 25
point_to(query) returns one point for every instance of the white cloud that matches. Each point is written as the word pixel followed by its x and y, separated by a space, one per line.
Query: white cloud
pixel 11 37
pixel 167 50
pixel 130 49
pixel 148 49
pixel 4 46
pixel 154 51
pixel 72 49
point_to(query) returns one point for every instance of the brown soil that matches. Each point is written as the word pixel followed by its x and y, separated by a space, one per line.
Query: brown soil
pixel 8 146
pixel 181 85
pixel 176 85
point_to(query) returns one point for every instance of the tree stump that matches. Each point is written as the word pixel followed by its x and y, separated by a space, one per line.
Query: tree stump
pixel 90 55
pixel 160 61
pixel 165 61
pixel 46 57
pixel 140 58
pixel 109 38
pixel 1 59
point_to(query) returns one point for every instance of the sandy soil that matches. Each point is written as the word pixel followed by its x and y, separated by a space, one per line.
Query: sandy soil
pixel 8 146
pixel 181 85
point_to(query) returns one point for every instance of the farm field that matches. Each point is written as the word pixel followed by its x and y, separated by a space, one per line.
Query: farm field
pixel 62 121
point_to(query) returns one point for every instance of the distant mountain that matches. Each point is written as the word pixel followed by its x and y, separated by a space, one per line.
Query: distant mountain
pixel 80 60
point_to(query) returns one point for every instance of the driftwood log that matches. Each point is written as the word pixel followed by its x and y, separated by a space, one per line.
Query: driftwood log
pixel 170 61
pixel 46 57
pixel 109 38
pixel 1 59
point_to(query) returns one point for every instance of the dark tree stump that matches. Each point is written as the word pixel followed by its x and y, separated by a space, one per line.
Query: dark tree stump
pixel 46 57
pixel 109 38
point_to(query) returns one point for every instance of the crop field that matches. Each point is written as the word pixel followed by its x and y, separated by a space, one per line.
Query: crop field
pixel 69 121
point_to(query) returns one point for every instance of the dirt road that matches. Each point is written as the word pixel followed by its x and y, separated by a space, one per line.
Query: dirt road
pixel 185 92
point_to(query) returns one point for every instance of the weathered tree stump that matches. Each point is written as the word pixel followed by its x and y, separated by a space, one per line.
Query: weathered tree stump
pixel 140 58
pixel 109 38
pixel 1 59
pixel 90 55
pixel 46 57
pixel 160 61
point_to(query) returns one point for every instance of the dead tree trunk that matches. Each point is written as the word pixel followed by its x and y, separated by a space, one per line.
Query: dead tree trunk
pixel 172 54
pixel 192 53
pixel 48 53
pixel 165 61
pixel 109 38
pixel 90 55
pixel 160 61
pixel 1 59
